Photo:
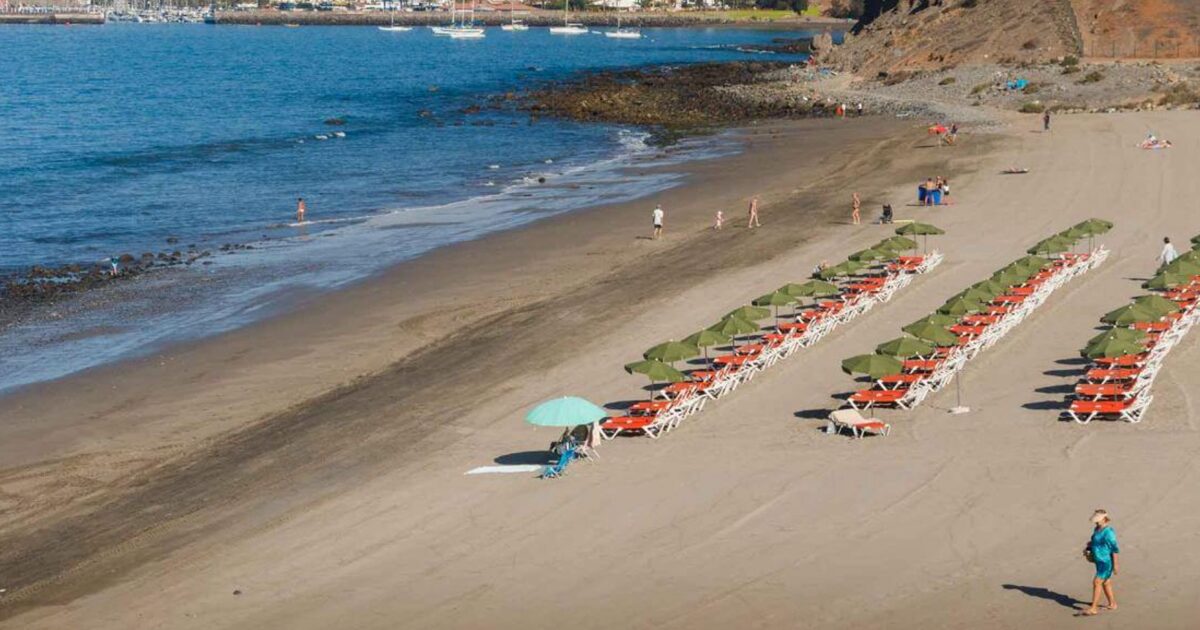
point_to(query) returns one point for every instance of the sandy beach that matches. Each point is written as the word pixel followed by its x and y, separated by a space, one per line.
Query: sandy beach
pixel 307 472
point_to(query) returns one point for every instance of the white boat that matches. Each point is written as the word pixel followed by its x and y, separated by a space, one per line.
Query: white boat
pixel 623 33
pixel 568 27
pixel 441 30
pixel 466 33
pixel 515 26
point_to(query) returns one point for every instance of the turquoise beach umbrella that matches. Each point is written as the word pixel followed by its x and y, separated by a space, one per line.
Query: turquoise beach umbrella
pixel 568 411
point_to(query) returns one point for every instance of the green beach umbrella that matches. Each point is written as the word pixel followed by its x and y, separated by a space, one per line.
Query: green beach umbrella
pixel 844 268
pixel 937 319
pixel 897 243
pixel 977 295
pixel 1034 262
pixel 1019 270
pixel 749 313
pixel 1095 227
pixel 1053 245
pixel 990 287
pixel 775 299
pixel 568 411
pixel 822 289
pixel 1117 334
pixel 873 365
pixel 1192 255
pixel 1168 280
pixel 1009 277
pixel 796 290
pixel 868 255
pixel 1182 266
pixel 707 338
pixel 1110 348
pixel 1156 304
pixel 1196 240
pixel 924 230
pixel 932 333
pixel 1130 314
pixel 1074 233
pixel 656 371
pixel 731 326
pixel 960 306
pixel 672 351
pixel 904 348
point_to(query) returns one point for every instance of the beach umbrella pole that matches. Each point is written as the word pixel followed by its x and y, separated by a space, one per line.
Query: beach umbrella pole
pixel 958 408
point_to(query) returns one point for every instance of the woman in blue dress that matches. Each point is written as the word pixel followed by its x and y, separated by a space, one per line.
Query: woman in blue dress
pixel 1102 550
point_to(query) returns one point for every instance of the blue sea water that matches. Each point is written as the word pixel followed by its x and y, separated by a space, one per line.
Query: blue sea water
pixel 114 138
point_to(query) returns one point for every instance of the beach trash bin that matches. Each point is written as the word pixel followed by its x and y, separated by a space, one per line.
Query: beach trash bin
pixel 921 194
pixel 936 196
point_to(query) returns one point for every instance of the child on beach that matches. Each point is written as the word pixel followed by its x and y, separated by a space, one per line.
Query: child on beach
pixel 720 220
pixel 753 223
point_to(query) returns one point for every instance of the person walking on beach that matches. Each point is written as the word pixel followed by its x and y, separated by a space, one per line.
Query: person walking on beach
pixel 720 220
pixel 301 209
pixel 657 215
pixel 753 223
pixel 1046 121
pixel 1168 254
pixel 860 109
pixel 1102 551
pixel 855 207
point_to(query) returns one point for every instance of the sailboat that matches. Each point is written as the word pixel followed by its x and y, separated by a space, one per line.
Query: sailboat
pixel 392 24
pixel 445 30
pixel 568 27
pixel 620 33
pixel 462 30
pixel 514 24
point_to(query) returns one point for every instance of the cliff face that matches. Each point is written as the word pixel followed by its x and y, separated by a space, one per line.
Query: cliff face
pixel 922 34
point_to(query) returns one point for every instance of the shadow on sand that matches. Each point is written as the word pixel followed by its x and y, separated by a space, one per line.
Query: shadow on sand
pixel 540 458
pixel 1065 601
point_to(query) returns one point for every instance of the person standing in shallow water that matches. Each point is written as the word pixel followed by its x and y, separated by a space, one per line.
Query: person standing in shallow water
pixel 301 209
pixel 1103 552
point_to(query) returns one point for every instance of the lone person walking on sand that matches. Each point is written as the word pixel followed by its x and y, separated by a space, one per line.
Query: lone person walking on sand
pixel 1046 121
pixel 719 222
pixel 1103 552
pixel 301 208
pixel 1168 254
pixel 657 215
pixel 855 206
pixel 753 223
pixel 860 109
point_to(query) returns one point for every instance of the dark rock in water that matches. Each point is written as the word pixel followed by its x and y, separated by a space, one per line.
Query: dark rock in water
pixel 335 121
pixel 147 256
pixel 472 109
pixel 171 240
pixel 125 259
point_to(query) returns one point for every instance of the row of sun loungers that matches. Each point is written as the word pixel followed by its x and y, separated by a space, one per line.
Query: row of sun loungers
pixel 1127 357
pixel 729 371
pixel 973 327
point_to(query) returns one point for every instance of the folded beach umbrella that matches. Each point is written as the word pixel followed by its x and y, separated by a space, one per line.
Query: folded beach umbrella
pixel 904 348
pixel 1053 245
pixel 937 319
pixel 1130 314
pixel 1156 304
pixel 1118 334
pixel 568 411
pixel 656 371
pixel 749 313
pixel 672 351
pixel 731 326
pixel 932 333
pixel 873 365
pixel 1168 280
pixel 707 338
pixel 868 255
pixel 1109 348
pixel 960 306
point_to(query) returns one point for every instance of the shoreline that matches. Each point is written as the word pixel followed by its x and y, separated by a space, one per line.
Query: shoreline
pixel 148 420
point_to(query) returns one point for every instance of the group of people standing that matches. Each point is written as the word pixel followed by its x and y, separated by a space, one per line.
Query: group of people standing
pixel 658 217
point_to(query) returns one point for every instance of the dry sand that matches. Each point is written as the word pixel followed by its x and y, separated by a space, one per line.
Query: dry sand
pixel 351 510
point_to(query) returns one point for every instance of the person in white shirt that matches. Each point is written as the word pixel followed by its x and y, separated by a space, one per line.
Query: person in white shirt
pixel 1168 254
pixel 658 221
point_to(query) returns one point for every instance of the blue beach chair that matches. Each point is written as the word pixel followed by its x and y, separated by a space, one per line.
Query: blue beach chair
pixel 559 469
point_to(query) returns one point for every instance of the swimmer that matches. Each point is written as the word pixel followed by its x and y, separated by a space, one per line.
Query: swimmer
pixel 301 209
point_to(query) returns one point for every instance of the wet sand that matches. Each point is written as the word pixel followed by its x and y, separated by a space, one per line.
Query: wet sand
pixel 145 496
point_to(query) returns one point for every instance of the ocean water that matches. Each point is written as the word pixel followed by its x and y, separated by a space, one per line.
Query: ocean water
pixel 119 137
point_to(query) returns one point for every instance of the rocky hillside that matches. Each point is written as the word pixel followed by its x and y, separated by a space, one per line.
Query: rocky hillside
pixel 939 33
pixel 1139 28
